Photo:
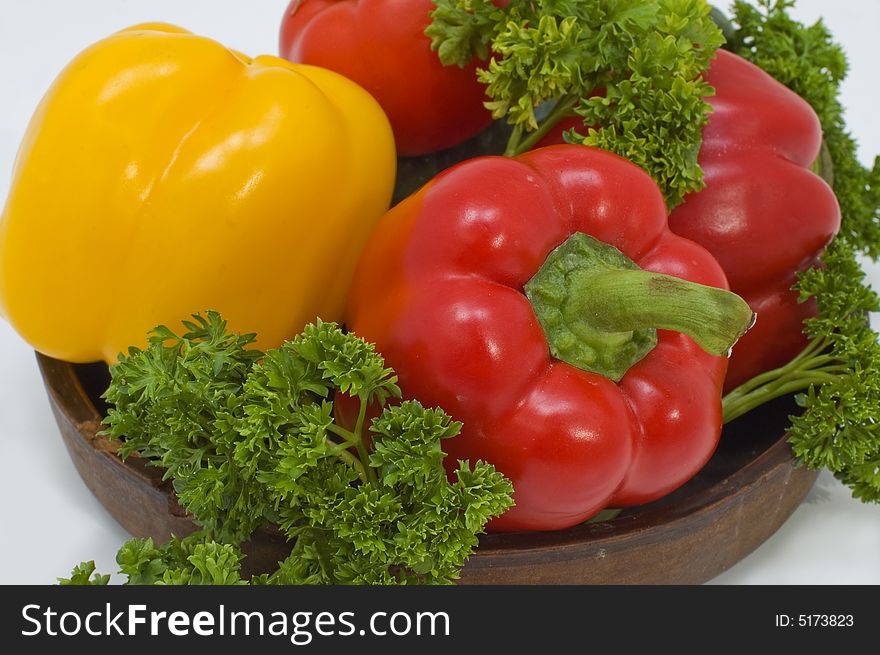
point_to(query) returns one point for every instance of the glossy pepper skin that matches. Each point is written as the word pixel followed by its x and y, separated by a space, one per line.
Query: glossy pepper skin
pixel 764 214
pixel 439 289
pixel 381 45
pixel 163 174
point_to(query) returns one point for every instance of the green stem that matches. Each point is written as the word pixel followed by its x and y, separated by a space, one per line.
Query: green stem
pixel 354 439
pixel 514 141
pixel 601 312
pixel 563 108
pixel 346 456
pixel 341 450
pixel 815 346
pixel 808 368
pixel 734 407
pixel 625 301
pixel 359 443
pixel 348 438
pixel 803 361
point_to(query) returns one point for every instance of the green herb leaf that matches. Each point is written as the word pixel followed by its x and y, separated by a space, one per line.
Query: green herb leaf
pixel 461 30
pixel 194 560
pixel 251 439
pixel 406 443
pixel 84 574
pixel 839 428
pixel 632 69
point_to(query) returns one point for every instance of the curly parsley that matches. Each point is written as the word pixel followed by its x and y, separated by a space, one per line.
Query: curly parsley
pixel 250 439
pixel 632 69
pixel 836 378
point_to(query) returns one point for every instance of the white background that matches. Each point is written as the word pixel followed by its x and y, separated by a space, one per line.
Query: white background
pixel 50 521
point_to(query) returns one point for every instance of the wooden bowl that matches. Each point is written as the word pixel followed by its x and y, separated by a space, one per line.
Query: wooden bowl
pixel 748 489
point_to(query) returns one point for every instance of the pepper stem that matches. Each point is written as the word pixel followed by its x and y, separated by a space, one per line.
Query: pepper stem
pixel 625 301
pixel 600 311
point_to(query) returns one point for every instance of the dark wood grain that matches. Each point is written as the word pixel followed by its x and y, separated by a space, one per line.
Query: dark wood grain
pixel 742 496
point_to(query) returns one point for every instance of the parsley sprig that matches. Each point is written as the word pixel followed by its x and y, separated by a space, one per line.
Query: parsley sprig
pixel 631 69
pixel 194 560
pixel 836 379
pixel 250 439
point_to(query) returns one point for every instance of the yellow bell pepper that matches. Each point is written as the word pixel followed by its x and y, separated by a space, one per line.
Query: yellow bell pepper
pixel 164 174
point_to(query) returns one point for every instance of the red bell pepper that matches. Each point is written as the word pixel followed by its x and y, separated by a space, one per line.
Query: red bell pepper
pixel 764 214
pixel 523 296
pixel 381 45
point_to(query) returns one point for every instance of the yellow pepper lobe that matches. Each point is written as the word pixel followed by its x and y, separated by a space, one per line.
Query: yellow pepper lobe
pixel 164 174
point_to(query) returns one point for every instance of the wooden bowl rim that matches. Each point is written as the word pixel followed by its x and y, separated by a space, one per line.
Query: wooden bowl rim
pixel 651 523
